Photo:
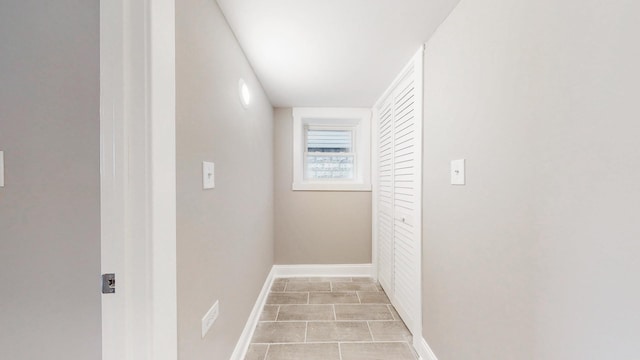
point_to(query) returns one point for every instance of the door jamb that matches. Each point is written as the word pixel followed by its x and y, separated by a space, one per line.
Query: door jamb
pixel 138 189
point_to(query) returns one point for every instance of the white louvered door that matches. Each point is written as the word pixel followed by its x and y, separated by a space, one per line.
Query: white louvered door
pixel 398 193
pixel 406 178
pixel 385 213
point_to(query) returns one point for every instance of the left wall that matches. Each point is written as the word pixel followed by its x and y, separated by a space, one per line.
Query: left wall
pixel 225 235
pixel 50 206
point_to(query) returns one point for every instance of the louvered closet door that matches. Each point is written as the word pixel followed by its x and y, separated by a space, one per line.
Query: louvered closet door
pixel 385 196
pixel 398 193
pixel 406 178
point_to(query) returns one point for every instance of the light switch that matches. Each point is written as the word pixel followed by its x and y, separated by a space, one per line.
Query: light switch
pixel 1 168
pixel 208 175
pixel 457 172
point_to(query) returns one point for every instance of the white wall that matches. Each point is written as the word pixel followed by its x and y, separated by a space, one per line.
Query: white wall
pixel 535 258
pixel 588 195
pixel 225 235
pixel 50 205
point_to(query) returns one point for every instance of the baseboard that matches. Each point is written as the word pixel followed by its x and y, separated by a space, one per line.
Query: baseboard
pixel 343 270
pixel 242 346
pixel 423 349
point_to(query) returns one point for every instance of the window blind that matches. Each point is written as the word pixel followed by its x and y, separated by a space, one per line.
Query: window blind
pixel 319 140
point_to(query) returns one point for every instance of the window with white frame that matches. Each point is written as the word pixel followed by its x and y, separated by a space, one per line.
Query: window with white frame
pixel 332 149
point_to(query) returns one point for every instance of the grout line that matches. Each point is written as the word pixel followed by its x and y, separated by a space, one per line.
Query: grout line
pixel 335 316
pixel 266 352
pixel 370 332
pixel 286 283
pixel 331 286
pixel 324 321
pixel 392 315
pixel 333 342
pixel 306 329
pixel 358 295
pixel 340 350
pixel 278 313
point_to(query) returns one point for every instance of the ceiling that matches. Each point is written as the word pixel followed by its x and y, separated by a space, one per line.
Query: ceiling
pixel 331 53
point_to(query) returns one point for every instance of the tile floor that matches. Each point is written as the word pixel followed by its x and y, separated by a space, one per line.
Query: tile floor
pixel 329 319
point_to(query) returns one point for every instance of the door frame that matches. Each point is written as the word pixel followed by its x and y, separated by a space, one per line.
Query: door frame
pixel 137 177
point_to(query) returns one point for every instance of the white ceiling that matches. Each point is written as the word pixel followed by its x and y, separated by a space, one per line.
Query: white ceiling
pixel 341 53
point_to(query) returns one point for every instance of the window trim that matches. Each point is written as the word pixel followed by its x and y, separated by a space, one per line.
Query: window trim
pixel 356 119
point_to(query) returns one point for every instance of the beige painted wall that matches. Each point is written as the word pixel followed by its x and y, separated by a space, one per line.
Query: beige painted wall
pixel 225 235
pixel 316 227
pixel 50 206
pixel 536 257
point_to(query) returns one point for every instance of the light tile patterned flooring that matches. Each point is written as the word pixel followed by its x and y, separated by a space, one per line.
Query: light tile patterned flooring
pixel 329 319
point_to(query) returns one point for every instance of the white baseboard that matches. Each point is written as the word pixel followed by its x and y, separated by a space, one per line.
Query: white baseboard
pixel 423 349
pixel 242 346
pixel 344 270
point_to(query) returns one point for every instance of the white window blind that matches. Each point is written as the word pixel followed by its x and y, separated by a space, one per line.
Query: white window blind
pixel 319 140
pixel 329 154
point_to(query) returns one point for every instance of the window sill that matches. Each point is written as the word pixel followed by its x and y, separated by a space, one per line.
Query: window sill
pixel 330 187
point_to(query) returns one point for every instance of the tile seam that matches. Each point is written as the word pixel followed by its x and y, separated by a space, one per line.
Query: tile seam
pixel 371 332
pixel 333 342
pixel 277 313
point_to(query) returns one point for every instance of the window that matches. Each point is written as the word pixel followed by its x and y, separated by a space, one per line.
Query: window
pixel 331 149
pixel 329 153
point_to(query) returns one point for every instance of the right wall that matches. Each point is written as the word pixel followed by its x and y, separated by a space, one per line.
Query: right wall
pixel 537 256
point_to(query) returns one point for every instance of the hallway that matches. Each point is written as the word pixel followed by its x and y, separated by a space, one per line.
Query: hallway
pixel 329 318
pixel 218 179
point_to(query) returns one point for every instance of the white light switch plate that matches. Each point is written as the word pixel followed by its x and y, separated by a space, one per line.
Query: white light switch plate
pixel 208 175
pixel 457 172
pixel 1 168
pixel 209 318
